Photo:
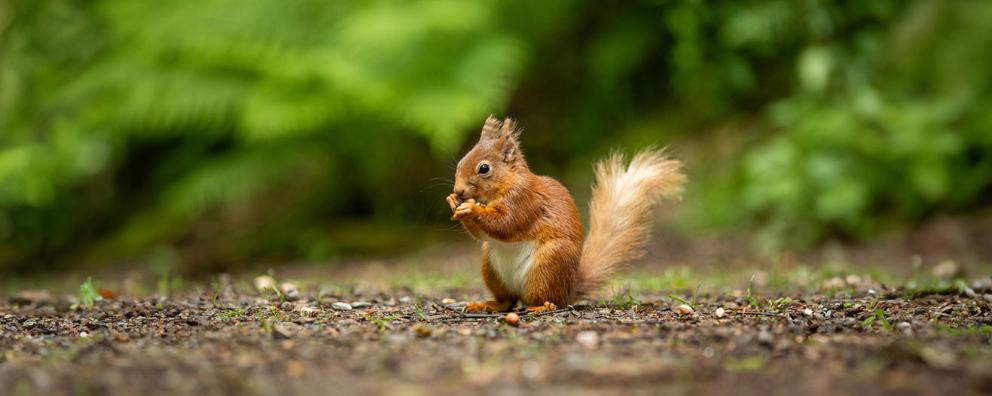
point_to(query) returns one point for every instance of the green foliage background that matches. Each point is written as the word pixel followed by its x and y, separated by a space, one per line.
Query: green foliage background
pixel 213 132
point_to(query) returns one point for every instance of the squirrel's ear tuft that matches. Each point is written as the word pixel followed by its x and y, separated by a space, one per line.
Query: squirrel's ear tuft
pixel 491 129
pixel 509 136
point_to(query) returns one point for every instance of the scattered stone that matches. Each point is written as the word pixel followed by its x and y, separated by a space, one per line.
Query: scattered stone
pixel 309 312
pixel 588 339
pixel 947 269
pixel 83 334
pixel 265 284
pixel 405 300
pixel 982 285
pixel 294 369
pixel 512 319
pixel 285 330
pixel 422 330
pixel 685 309
pixel 531 369
pixel 397 339
pixel 905 328
pixel 340 306
pixel 765 337
pixel 853 280
pixel 872 292
pixel 988 297
pixel 448 301
pixel 25 297
pixel 289 291
pixel 808 312
pixel 833 283
pixel 360 304
pixel 719 312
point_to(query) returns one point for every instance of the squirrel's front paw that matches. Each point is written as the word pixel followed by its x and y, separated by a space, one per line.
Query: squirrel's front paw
pixel 464 210
pixel 453 201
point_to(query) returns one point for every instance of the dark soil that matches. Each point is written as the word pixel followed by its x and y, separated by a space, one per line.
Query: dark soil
pixel 241 342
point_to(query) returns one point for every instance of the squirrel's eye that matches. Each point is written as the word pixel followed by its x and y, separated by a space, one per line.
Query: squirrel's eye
pixel 483 169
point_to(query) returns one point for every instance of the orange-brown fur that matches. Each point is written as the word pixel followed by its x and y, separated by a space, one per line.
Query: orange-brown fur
pixel 511 204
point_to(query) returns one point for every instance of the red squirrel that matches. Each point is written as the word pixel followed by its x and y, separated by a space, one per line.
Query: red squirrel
pixel 533 248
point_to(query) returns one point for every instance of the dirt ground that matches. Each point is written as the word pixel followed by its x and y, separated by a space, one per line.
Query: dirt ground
pixel 228 338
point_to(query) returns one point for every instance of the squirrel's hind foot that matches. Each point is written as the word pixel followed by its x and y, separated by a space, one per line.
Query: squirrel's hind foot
pixel 548 306
pixel 489 306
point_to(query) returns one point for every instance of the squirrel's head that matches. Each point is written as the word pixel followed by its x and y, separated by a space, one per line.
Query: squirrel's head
pixel 491 167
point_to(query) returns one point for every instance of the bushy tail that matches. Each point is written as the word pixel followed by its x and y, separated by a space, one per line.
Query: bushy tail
pixel 620 212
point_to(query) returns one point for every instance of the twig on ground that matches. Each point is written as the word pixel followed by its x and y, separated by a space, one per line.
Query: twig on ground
pixel 552 312
pixel 759 313
pixel 459 315
pixel 457 312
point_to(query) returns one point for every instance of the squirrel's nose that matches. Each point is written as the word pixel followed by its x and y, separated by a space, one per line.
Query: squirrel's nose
pixel 460 191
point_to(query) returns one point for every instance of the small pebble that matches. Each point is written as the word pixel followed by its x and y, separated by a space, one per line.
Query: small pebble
pixel 265 283
pixel 685 309
pixel 808 312
pixel 719 312
pixel 340 306
pixel 289 290
pixel 765 337
pixel 360 304
pixel 405 300
pixel 833 283
pixel 284 330
pixel 422 330
pixel 448 301
pixel 84 334
pixel 905 328
pixel 588 339
pixel 512 319
pixel 988 297
pixel 530 369
pixel 397 339
pixel 982 283
pixel 947 269
pixel 294 369
pixel 309 312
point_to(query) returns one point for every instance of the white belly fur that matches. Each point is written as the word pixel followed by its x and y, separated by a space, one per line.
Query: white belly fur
pixel 512 262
